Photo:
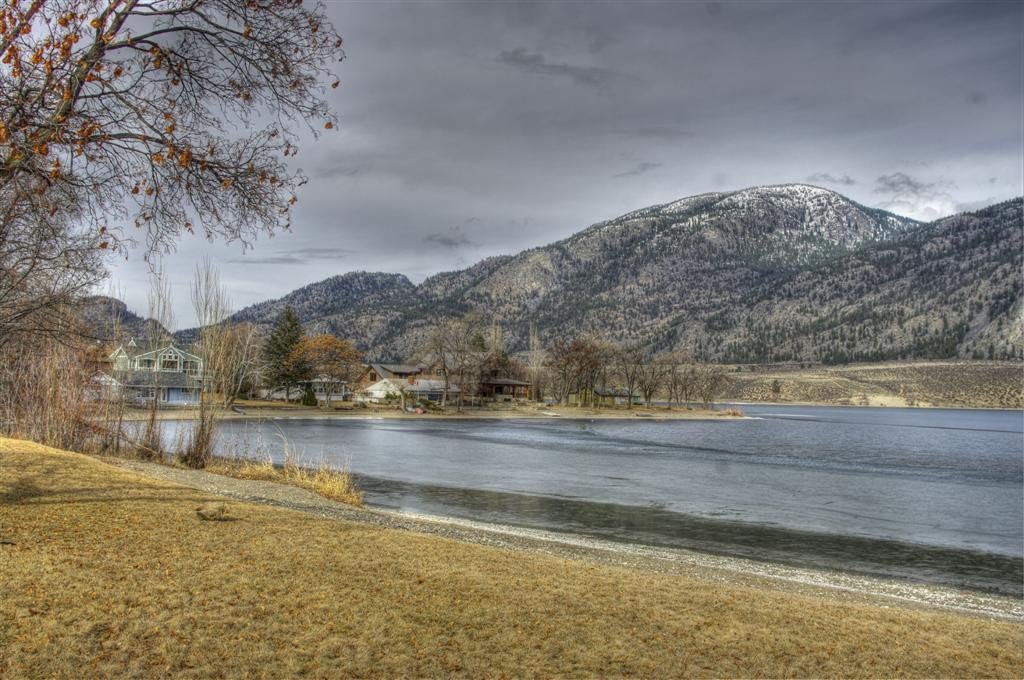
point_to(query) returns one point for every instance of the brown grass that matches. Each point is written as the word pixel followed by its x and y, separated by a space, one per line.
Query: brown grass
pixel 338 485
pixel 113 574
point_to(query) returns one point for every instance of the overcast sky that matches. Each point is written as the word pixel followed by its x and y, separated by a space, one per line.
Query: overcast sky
pixel 477 129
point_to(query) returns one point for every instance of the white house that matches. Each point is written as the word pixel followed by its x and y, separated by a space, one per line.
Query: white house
pixel 415 389
pixel 321 385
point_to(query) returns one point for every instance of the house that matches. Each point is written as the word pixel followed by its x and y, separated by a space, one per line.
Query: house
pixel 504 389
pixel 327 388
pixel 415 389
pixel 168 374
pixel 377 372
pixel 339 389
pixel 102 387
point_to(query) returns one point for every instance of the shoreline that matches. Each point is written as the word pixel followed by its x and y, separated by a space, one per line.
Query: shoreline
pixel 113 569
pixel 706 566
pixel 285 413
pixel 874 407
pixel 570 413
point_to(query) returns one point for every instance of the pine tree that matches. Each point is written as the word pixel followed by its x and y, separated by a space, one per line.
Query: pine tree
pixel 279 348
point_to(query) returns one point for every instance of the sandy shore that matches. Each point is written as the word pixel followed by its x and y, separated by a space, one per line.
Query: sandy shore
pixel 833 585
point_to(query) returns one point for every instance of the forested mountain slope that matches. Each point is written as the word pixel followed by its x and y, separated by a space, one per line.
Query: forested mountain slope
pixel 780 273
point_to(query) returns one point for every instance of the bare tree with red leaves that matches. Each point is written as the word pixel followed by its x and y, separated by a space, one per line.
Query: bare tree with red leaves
pixel 134 121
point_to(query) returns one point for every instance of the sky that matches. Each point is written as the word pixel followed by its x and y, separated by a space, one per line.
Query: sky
pixel 469 130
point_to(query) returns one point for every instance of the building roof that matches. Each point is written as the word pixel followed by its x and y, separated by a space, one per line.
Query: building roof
pixel 505 381
pixel 415 387
pixel 324 378
pixel 395 369
pixel 132 351
pixel 170 349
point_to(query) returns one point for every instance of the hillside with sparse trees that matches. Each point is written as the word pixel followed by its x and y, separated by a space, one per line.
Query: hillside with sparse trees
pixel 772 274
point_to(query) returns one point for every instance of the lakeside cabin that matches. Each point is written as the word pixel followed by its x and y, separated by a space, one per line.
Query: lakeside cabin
pixel 505 389
pixel 617 396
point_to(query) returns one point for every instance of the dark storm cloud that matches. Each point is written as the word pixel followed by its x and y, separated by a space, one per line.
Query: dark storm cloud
pixel 828 178
pixel 640 169
pixel 907 195
pixel 452 238
pixel 297 256
pixel 539 119
pixel 524 60
pixel 901 183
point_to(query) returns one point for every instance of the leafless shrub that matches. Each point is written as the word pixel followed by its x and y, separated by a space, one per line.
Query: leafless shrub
pixel 44 394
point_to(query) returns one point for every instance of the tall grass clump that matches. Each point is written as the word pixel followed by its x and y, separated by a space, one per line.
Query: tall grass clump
pixel 336 484
pixel 252 460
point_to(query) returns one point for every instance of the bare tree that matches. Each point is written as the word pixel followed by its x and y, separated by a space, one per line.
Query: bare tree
pixel 160 320
pixel 576 368
pixel 243 368
pixel 440 347
pixel 710 380
pixel 627 362
pixel 536 369
pixel 215 347
pixel 175 116
pixel 681 379
pixel 654 370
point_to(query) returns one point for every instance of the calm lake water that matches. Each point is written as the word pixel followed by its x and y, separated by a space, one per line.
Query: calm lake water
pixel 925 495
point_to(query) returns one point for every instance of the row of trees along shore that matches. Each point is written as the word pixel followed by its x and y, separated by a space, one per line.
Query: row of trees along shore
pixel 464 353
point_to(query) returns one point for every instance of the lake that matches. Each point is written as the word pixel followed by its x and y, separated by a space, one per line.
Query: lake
pixel 926 495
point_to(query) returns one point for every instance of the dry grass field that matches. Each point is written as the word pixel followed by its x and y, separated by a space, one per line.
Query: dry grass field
pixel 959 384
pixel 104 572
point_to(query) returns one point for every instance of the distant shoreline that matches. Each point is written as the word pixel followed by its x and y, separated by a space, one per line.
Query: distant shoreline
pixel 874 407
pixel 657 414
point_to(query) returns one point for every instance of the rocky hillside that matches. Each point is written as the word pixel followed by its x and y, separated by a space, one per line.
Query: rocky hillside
pixel 976 384
pixel 110 319
pixel 780 273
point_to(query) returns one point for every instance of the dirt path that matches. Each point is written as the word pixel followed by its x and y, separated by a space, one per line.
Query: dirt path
pixel 832 585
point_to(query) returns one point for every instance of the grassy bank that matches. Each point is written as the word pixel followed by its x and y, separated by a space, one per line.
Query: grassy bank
pixel 112 573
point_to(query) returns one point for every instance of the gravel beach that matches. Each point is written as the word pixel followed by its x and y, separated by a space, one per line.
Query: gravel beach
pixel 837 586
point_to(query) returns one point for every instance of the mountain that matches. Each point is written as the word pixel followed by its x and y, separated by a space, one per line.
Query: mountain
pixel 362 300
pixel 767 274
pixel 110 319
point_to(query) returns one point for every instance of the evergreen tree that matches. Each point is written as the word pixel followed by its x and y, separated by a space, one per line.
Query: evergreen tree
pixel 279 348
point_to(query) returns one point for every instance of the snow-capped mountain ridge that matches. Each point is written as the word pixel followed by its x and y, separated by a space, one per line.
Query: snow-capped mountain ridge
pixel 785 272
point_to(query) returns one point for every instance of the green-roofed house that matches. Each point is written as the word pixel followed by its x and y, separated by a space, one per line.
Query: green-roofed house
pixel 168 374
